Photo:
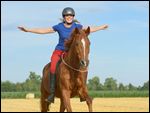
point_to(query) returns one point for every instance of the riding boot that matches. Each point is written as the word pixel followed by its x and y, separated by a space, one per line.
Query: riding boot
pixel 50 98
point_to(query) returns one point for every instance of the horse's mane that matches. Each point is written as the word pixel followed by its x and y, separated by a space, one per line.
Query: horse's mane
pixel 72 37
pixel 69 41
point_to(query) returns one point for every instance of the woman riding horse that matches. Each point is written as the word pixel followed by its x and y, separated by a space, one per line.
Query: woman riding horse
pixel 64 30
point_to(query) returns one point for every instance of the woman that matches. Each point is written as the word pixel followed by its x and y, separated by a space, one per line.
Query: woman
pixel 64 30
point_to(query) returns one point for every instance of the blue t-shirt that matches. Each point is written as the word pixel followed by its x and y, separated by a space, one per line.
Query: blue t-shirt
pixel 64 33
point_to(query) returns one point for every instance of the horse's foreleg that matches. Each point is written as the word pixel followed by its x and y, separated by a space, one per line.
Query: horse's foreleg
pixel 89 103
pixel 62 107
pixel 83 92
pixel 66 100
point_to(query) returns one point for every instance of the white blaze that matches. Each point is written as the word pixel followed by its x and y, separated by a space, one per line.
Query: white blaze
pixel 83 42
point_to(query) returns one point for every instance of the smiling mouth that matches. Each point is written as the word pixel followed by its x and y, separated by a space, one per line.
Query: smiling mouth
pixel 69 19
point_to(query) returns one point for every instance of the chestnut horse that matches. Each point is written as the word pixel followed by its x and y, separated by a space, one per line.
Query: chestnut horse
pixel 71 75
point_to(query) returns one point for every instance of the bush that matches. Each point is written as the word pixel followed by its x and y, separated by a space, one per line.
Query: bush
pixel 119 93
pixel 17 95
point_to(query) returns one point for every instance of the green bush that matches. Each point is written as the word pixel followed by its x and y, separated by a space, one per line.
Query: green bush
pixel 119 93
pixel 17 95
pixel 91 93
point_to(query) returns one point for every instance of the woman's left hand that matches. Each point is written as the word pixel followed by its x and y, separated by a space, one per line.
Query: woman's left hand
pixel 104 26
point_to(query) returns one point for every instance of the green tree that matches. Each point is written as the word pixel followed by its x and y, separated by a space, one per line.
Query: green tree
pixel 110 84
pixel 94 84
pixel 7 86
pixel 32 83
pixel 19 87
pixel 121 87
pixel 139 88
pixel 145 86
pixel 131 87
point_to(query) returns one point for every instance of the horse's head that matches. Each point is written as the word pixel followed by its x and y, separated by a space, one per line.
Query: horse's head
pixel 80 45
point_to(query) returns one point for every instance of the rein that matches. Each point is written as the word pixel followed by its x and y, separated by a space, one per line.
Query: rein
pixel 82 71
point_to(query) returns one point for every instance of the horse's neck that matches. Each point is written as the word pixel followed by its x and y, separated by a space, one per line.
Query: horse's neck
pixel 72 59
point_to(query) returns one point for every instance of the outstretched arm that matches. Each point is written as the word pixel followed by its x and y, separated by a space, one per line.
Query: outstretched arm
pixel 37 30
pixel 97 28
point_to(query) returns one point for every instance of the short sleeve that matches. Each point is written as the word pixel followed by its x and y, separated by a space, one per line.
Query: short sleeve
pixel 79 26
pixel 55 27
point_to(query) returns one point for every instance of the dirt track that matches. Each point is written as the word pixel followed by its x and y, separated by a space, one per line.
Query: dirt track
pixel 99 105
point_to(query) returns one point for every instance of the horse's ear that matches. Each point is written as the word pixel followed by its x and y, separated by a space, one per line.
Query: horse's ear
pixel 76 31
pixel 87 31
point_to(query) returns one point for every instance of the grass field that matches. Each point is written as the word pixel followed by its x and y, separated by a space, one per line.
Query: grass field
pixel 99 105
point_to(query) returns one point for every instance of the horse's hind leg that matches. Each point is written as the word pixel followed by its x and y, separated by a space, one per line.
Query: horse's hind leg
pixel 62 107
pixel 44 105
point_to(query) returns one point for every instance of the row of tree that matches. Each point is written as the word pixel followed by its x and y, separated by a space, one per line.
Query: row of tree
pixel 32 83
pixel 111 84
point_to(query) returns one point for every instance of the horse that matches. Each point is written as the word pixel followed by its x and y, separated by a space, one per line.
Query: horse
pixel 71 74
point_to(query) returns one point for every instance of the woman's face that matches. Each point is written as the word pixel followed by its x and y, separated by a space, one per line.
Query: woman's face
pixel 69 18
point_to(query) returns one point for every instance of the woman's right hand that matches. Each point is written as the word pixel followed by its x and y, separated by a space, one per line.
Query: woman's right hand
pixel 37 30
pixel 23 29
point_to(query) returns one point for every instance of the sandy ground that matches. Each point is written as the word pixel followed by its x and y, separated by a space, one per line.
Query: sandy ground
pixel 99 105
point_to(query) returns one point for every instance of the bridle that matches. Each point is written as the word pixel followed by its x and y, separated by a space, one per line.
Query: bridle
pixel 82 71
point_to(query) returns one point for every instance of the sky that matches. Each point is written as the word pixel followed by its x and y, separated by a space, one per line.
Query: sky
pixel 121 51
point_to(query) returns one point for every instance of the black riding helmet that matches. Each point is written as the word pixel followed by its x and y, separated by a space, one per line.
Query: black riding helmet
pixel 68 11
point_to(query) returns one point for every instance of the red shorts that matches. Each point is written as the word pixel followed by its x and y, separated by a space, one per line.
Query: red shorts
pixel 54 59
